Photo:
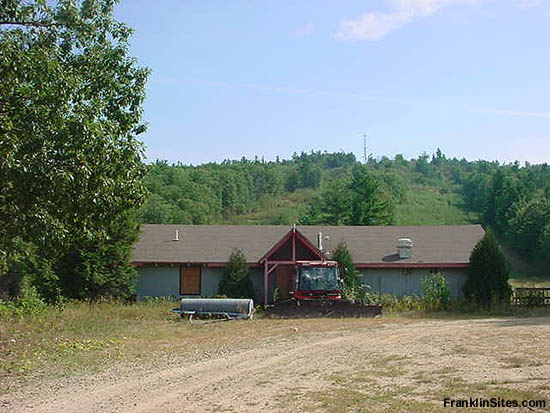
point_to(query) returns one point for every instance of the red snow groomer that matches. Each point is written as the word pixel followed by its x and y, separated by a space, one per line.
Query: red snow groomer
pixel 317 280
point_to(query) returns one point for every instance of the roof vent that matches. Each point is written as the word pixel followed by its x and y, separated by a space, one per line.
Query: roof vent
pixel 404 247
pixel 177 236
pixel 327 239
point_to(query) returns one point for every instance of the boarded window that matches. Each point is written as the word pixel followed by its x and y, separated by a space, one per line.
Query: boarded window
pixel 190 280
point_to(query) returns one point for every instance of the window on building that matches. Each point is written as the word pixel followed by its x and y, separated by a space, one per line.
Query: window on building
pixel 190 280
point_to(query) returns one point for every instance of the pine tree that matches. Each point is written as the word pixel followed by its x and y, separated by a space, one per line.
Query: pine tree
pixel 347 268
pixel 236 282
pixel 367 206
pixel 489 271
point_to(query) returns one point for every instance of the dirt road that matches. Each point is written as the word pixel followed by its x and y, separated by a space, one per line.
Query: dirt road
pixel 379 365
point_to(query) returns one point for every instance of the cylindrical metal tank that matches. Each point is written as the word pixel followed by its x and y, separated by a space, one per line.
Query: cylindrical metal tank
pixel 241 307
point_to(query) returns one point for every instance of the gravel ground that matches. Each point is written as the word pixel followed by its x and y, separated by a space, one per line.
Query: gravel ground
pixel 416 361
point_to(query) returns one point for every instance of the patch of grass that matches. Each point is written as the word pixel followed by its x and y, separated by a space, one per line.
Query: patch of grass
pixel 464 349
pixel 397 304
pixel 524 280
pixel 276 211
pixel 456 387
pixel 542 387
pixel 445 371
pixel 80 338
pixel 513 362
pixel 377 387
pixel 426 205
pixel 513 393
pixel 381 366
pixel 350 400
pixel 424 377
pixel 459 389
pixel 487 391
pixel 341 400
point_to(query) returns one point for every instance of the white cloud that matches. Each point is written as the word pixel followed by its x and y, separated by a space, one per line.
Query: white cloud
pixel 371 26
pixel 305 30
pixel 376 25
pixel 529 3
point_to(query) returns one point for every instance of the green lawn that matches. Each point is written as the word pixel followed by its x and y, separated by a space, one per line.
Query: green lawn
pixel 522 280
pixel 423 206
pixel 276 211
pixel 430 206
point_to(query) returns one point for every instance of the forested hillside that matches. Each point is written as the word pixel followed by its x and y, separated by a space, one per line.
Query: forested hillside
pixel 336 189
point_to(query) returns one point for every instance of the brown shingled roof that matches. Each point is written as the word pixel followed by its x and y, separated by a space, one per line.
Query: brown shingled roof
pixel 447 245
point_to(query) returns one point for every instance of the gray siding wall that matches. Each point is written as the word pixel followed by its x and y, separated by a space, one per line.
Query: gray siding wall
pixel 160 281
pixel 163 281
pixel 398 282
pixel 257 277
pixel 209 282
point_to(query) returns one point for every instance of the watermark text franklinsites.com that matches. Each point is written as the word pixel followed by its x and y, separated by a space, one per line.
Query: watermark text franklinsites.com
pixel 493 402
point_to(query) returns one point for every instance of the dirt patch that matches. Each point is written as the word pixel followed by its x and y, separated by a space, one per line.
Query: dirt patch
pixel 372 365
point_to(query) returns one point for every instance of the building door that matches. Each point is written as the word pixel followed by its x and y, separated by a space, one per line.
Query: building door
pixel 190 280
pixel 284 280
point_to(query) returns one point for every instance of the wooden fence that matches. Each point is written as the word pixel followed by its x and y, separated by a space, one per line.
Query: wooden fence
pixel 534 297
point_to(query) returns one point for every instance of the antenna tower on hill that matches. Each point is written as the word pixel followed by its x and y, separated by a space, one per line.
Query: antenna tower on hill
pixel 364 135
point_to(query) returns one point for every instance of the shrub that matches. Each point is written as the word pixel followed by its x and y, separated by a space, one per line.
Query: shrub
pixel 348 272
pixel 392 303
pixel 236 281
pixel 489 272
pixel 360 294
pixel 28 304
pixel 353 289
pixel 436 292
pixel 21 267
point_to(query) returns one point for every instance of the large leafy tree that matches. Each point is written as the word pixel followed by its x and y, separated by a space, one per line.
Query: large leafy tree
pixel 504 191
pixel 542 262
pixel 70 110
pixel 525 227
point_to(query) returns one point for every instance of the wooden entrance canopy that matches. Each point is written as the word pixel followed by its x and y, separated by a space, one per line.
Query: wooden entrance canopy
pixel 291 248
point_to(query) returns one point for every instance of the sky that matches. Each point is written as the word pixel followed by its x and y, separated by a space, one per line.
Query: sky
pixel 234 78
